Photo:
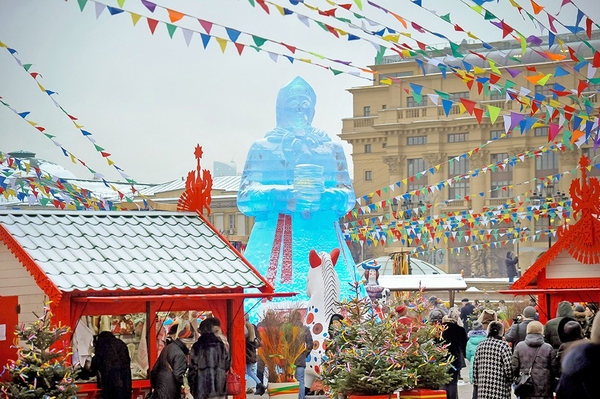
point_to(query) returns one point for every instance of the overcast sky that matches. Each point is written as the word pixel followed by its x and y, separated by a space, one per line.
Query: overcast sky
pixel 149 99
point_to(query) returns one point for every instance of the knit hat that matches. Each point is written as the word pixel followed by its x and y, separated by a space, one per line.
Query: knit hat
pixel 529 312
pixel 477 325
pixel 535 327
pixel 465 300
pixel 579 308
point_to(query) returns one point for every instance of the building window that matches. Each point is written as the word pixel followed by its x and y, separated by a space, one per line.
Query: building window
pixel 458 137
pixel 415 166
pixel 496 134
pixel 416 140
pixel 383 145
pixel 368 175
pixel 457 168
pixel 455 97
pixel 367 111
pixel 231 219
pixel 546 164
pixel 412 103
pixel 384 106
pixel 367 148
pixel 540 132
pixel 543 90
pixel 501 176
pixel 497 95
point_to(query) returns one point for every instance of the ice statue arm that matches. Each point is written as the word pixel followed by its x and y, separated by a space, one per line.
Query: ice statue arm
pixel 339 195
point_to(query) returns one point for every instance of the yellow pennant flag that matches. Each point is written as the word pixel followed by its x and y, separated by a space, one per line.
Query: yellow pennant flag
pixel 41 87
pixel 386 81
pixel 110 163
pixel 494 67
pixel 72 158
pixel 3 45
pixel 78 126
pixel 32 123
pixel 461 108
pixel 222 43
pixel 135 18
pixel 478 71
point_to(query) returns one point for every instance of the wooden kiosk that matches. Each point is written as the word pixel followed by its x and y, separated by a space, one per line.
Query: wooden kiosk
pixel 570 269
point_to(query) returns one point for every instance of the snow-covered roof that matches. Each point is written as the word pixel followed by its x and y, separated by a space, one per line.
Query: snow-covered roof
pixel 223 183
pixel 107 251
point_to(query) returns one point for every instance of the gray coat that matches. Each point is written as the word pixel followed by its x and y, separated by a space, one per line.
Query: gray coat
pixel 544 369
pixel 551 329
pixel 517 332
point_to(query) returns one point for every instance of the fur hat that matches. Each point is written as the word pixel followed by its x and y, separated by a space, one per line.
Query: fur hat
pixel 579 308
pixel 465 300
pixel 436 316
pixel 495 329
pixel 569 330
pixel 529 312
pixel 477 325
pixel 535 327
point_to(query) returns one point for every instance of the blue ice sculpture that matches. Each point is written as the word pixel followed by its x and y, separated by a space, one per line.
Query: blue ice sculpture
pixel 296 185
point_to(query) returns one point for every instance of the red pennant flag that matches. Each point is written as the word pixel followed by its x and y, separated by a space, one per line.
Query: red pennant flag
pixel 506 29
pixel 35 74
pixel 494 78
pixel 328 13
pixel 346 6
pixel 421 45
pixel 596 61
pixel 478 114
pixel 588 27
pixel 477 54
pixel 581 86
pixel 72 117
pixel 332 30
pixel 469 105
pixel 239 47
pixel 104 154
pixel 531 68
pixel 573 54
pixel 263 5
pixel 470 84
pixel 152 24
pixel 458 28
pixel 40 128
pixel 291 48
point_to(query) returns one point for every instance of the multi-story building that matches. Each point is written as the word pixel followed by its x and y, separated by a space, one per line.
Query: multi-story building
pixel 395 136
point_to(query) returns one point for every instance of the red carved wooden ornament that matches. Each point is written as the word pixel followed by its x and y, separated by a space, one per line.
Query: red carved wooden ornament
pixel 198 186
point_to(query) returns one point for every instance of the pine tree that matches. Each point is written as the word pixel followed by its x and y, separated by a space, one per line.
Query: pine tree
pixel 41 369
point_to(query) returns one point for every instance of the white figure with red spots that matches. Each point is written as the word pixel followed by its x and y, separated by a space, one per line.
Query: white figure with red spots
pixel 323 290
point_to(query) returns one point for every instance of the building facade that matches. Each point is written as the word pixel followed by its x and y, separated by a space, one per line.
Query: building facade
pixel 397 135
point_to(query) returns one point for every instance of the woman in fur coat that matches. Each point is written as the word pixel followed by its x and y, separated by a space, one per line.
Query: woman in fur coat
pixel 209 362
pixel 534 353
pixel 492 374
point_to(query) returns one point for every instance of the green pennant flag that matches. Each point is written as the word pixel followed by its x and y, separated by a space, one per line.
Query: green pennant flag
pixel 171 29
pixel 259 41
pixel 121 3
pixel 251 2
pixel 359 16
pixel 27 66
pixel 488 16
pixel 344 20
pixel 49 135
pixel 455 50
pixel 98 148
pixel 359 4
pixel 442 94
pixel 82 4
pixel 44 201
pixel 317 55
pixel 335 71
pixel 322 25
pixel 379 56
pixel 446 18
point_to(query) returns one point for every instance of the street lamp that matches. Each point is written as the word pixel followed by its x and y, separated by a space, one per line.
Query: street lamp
pixel 549 197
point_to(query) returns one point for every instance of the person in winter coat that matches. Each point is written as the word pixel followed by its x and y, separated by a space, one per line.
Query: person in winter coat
pixel 579 378
pixel 518 331
pixel 551 331
pixel 456 339
pixel 536 354
pixel 475 336
pixel 492 373
pixel 252 344
pixel 209 362
pixel 113 364
pixel 466 311
pixel 511 266
pixel 300 363
pixel 590 313
pixel 579 315
pixel 167 374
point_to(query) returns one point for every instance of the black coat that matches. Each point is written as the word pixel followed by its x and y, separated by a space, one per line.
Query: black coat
pixel 456 338
pixel 579 378
pixel 209 362
pixel 112 363
pixel 168 371
pixel 511 266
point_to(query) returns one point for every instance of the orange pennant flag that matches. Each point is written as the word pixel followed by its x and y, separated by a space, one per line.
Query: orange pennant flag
pixel 555 57
pixel 534 79
pixel 400 19
pixel 175 16
pixel 536 7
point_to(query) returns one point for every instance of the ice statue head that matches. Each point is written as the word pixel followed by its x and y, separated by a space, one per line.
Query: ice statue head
pixel 296 105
